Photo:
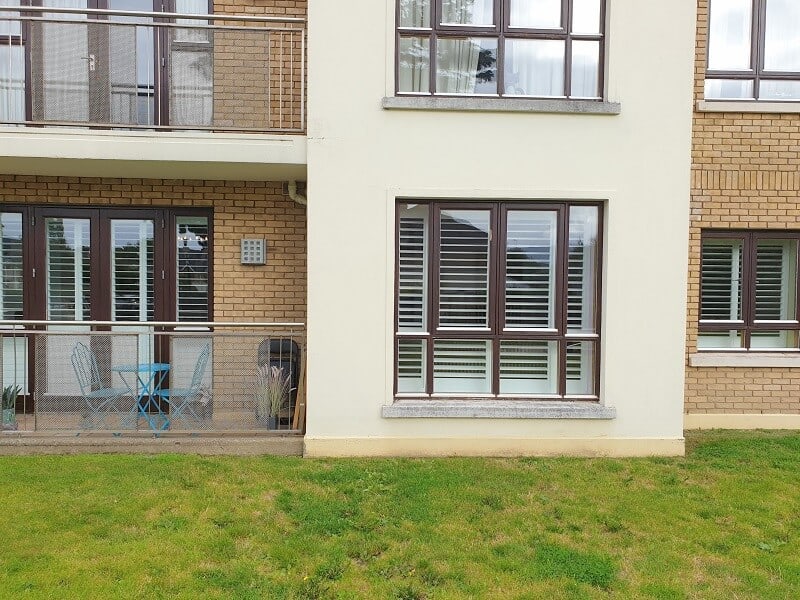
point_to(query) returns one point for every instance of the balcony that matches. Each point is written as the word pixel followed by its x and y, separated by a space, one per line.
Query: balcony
pixel 146 379
pixel 171 92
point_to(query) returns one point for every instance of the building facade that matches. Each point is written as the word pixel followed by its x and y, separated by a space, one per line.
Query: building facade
pixel 476 233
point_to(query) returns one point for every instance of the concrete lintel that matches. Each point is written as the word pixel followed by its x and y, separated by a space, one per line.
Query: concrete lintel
pixel 524 105
pixel 499 409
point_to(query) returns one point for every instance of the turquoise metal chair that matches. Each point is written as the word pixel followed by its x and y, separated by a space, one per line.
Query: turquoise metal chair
pixel 101 400
pixel 184 403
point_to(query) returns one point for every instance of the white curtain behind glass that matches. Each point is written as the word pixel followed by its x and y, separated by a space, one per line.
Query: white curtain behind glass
pixel 538 14
pixel 729 34
pixel 535 67
pixel 12 83
pixel 457 66
pixel 468 12
pixel 782 36
pixel 191 69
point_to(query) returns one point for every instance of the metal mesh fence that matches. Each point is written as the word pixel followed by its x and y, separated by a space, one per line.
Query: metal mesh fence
pixel 74 379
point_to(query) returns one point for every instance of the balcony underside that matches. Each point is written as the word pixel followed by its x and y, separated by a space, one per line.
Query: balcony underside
pixel 153 155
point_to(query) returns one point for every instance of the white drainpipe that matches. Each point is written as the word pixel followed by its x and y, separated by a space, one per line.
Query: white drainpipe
pixel 294 195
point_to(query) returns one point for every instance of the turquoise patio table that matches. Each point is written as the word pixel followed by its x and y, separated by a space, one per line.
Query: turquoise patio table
pixel 149 377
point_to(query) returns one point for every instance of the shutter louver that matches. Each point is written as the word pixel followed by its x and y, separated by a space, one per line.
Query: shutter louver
pixel 581 268
pixel 528 367
pixel 411 362
pixel 461 366
pixel 580 368
pixel 530 270
pixel 11 266
pixel 412 278
pixel 132 270
pixel 464 269
pixel 68 269
pixel 775 277
pixel 721 280
pixel 192 284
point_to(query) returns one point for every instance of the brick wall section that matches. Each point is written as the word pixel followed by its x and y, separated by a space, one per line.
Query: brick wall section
pixel 745 174
pixel 258 73
pixel 274 292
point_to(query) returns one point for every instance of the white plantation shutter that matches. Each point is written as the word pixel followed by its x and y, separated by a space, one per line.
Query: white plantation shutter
pixel 10 266
pixel 68 269
pixel 528 367
pixel 581 267
pixel 192 260
pixel 461 366
pixel 776 277
pixel 411 362
pixel 132 270
pixel 530 269
pixel 412 276
pixel 580 368
pixel 721 280
pixel 13 350
pixel 464 269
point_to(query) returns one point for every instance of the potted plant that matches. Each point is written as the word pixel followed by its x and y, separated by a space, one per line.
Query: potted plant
pixel 9 403
pixel 272 392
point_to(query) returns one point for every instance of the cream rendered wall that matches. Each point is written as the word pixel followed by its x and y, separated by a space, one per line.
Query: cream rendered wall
pixel 361 157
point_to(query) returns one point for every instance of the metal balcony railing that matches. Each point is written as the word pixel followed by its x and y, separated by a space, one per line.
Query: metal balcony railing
pixel 151 70
pixel 153 378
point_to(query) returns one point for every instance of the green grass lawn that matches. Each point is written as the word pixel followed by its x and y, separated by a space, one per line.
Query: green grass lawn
pixel 722 523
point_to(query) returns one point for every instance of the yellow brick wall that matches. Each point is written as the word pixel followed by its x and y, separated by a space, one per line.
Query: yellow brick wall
pixel 745 174
pixel 273 292
pixel 258 74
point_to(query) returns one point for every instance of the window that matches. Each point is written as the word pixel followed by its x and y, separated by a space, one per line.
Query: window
pixel 753 50
pixel 497 299
pixel 748 291
pixel 512 48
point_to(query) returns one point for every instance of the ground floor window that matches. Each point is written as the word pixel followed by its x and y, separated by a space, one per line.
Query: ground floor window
pixel 497 299
pixel 748 290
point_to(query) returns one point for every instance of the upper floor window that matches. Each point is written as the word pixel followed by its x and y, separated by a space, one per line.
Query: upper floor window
pixel 753 50
pixel 521 48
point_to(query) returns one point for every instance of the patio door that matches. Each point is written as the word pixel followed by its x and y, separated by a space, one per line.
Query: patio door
pixel 68 284
pixel 118 70
pixel 74 265
pixel 133 290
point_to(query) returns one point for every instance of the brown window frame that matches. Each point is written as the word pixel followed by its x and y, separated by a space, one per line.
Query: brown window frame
pixel 748 324
pixel 501 31
pixel 496 332
pixel 757 72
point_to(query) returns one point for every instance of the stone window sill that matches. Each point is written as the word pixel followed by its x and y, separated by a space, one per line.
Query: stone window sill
pixel 523 105
pixel 747 106
pixel 496 409
pixel 745 359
